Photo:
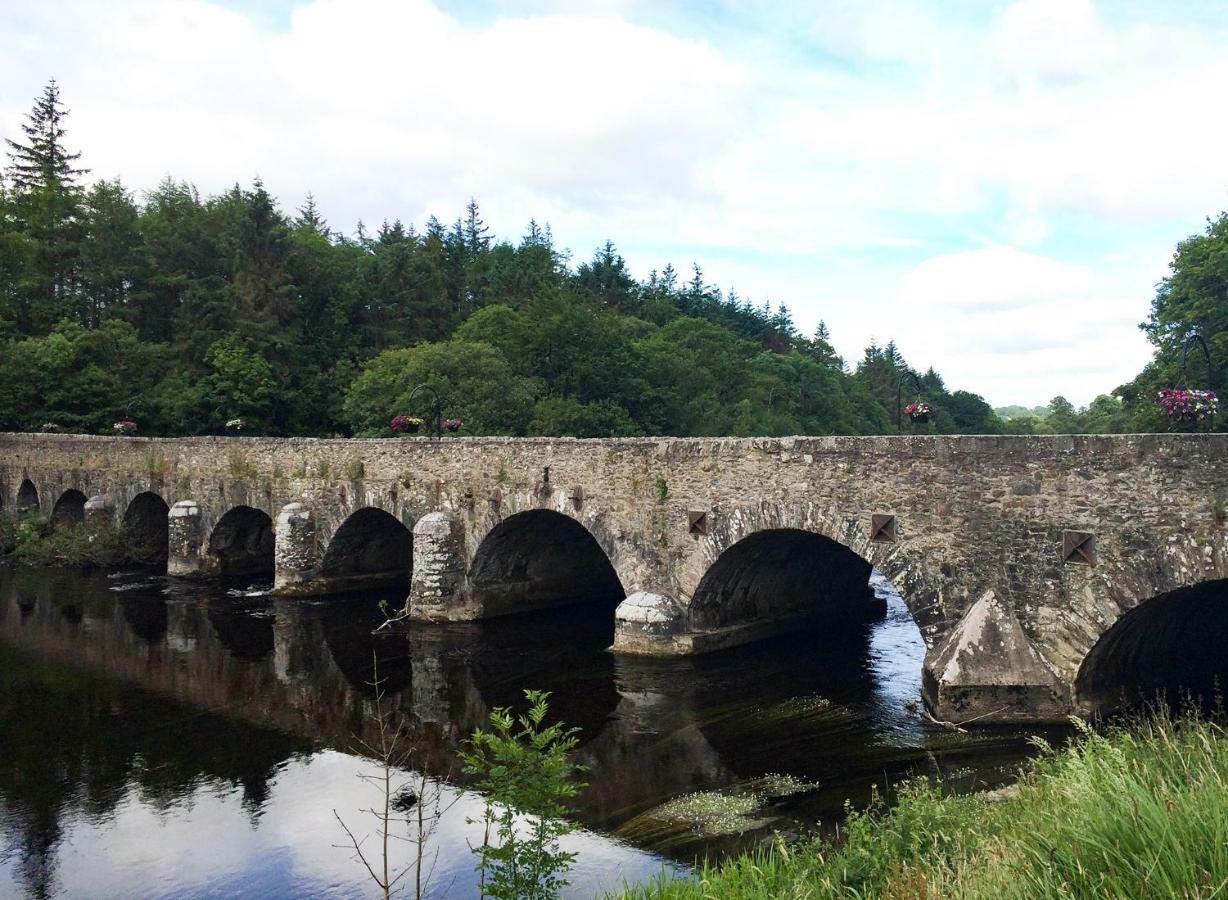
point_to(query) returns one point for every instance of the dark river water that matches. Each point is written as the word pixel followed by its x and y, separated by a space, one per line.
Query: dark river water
pixel 164 739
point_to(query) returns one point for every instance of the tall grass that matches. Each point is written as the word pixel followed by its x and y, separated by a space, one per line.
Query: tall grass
pixel 1136 810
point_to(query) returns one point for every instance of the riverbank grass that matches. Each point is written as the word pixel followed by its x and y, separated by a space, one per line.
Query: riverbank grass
pixel 1129 811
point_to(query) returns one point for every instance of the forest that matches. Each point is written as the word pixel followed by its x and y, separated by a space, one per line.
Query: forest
pixel 185 312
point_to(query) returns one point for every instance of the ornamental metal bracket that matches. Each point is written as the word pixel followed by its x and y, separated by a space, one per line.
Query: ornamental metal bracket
pixel 1079 547
pixel 883 528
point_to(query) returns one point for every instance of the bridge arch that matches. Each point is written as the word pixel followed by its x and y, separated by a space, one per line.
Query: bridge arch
pixel 241 543
pixel 1169 647
pixel 539 558
pixel 370 547
pixel 781 575
pixel 27 497
pixel 145 525
pixel 69 509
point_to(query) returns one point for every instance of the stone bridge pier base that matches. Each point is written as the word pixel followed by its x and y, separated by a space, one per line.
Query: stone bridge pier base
pixel 986 669
pixel 296 554
pixel 186 542
pixel 99 513
pixel 439 589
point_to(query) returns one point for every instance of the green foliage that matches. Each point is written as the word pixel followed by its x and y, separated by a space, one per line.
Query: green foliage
pixel 662 488
pixel 28 540
pixel 187 311
pixel 521 765
pixel 1134 811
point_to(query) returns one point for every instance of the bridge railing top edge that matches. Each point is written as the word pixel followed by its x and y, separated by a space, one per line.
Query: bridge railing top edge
pixel 819 443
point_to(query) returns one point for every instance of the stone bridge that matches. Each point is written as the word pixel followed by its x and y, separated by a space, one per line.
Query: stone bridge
pixel 1047 574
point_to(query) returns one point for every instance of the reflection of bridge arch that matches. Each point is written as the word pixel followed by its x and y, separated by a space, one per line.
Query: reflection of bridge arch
pixel 1169 647
pixel 540 558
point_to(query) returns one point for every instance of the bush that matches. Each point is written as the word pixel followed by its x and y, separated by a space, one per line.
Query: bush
pixel 523 768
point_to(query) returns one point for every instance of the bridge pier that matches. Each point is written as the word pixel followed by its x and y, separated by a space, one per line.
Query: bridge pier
pixel 296 553
pixel 186 542
pixel 987 669
pixel 439 589
pixel 99 513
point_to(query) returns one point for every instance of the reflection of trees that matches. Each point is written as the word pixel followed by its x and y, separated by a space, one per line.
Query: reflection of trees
pixel 79 744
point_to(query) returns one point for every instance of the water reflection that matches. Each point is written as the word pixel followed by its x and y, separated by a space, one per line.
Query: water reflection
pixel 143 716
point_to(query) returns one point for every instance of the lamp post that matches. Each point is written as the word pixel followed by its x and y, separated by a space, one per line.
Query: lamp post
pixel 899 391
pixel 435 422
pixel 1195 339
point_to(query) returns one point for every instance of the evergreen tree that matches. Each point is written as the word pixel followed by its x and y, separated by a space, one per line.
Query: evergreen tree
pixel 46 207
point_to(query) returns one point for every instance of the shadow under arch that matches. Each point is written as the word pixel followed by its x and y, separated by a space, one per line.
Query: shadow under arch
pixel 1170 647
pixel 782 579
pixel 241 543
pixel 69 509
pixel 541 558
pixel 27 497
pixel 145 527
pixel 371 548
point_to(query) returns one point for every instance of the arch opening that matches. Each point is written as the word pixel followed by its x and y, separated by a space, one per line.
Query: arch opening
pixel 242 543
pixel 785 578
pixel 371 548
pixel 1168 648
pixel 538 559
pixel 69 510
pixel 145 528
pixel 27 497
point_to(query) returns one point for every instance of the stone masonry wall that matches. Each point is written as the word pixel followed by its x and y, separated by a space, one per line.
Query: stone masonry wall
pixel 972 514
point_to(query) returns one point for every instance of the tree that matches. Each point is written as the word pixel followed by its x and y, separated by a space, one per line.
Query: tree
pixel 240 385
pixel 46 200
pixel 522 766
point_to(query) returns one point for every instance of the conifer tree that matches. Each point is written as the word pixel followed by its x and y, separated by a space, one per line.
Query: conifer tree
pixel 46 203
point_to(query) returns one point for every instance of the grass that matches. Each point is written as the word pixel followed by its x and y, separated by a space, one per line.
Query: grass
pixel 1136 810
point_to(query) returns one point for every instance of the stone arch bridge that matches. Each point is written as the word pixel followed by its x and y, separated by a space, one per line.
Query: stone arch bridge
pixel 1043 572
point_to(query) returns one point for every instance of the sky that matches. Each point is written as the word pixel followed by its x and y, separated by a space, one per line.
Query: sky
pixel 997 186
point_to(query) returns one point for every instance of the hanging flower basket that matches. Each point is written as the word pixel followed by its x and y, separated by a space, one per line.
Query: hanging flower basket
pixel 125 427
pixel 50 428
pixel 452 424
pixel 405 424
pixel 919 411
pixel 236 425
pixel 1183 405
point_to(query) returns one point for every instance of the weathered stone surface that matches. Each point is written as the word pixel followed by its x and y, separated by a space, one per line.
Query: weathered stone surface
pixel 185 541
pixel 297 554
pixel 973 514
pixel 987 668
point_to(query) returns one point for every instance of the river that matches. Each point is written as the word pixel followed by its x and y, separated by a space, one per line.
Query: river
pixel 168 739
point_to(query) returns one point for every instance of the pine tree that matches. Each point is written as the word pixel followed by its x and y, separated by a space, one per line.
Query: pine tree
pixel 46 202
pixel 476 234
pixel 44 161
pixel 309 217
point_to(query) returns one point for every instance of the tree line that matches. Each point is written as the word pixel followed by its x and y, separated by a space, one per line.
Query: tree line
pixel 185 311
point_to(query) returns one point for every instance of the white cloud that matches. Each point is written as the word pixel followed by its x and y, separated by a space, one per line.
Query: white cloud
pixel 812 155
